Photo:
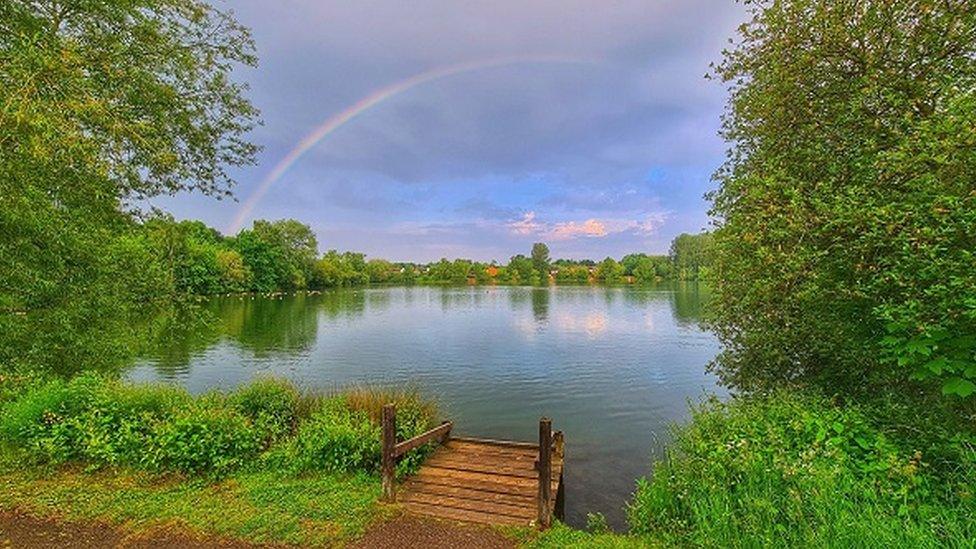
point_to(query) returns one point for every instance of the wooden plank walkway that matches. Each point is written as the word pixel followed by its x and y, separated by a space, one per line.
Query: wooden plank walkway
pixel 483 481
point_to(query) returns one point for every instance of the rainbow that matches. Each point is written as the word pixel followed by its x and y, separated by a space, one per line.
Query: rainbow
pixel 340 119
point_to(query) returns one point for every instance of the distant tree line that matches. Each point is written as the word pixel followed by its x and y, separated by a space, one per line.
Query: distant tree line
pixel 191 258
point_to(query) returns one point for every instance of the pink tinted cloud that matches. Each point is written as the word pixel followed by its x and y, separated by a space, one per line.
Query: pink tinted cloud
pixel 589 228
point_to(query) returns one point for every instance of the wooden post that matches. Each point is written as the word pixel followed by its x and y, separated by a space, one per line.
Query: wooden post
pixel 559 454
pixel 545 473
pixel 389 453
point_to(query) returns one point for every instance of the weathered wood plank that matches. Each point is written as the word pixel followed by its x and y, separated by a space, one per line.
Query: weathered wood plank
pixel 457 475
pixel 462 446
pixel 486 468
pixel 388 458
pixel 526 460
pixel 491 485
pixel 545 501
pixel 511 496
pixel 499 443
pixel 489 460
pixel 437 433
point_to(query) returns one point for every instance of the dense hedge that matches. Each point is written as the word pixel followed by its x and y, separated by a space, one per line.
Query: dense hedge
pixel 102 422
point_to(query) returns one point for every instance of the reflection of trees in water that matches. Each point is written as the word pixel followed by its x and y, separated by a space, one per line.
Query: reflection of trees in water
pixel 518 297
pixel 686 302
pixel 267 324
pixel 452 298
pixel 177 333
pixel 540 304
pixel 343 303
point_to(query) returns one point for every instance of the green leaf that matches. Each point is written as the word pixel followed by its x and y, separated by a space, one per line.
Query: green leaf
pixel 958 386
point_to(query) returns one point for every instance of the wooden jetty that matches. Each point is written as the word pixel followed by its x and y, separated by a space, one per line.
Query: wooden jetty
pixel 478 480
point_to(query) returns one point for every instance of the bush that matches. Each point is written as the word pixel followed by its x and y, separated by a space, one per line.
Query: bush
pixel 160 428
pixel 336 438
pixel 787 470
pixel 271 405
pixel 203 440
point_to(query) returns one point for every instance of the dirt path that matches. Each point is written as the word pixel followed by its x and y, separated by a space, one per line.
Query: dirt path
pixel 22 530
pixel 407 531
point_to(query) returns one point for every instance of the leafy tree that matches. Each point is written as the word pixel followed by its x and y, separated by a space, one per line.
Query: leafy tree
pixel 103 103
pixel 295 247
pixel 521 270
pixel 540 260
pixel 609 271
pixel 846 211
pixel 345 269
pixel 234 274
pixel 381 271
pixel 573 274
pixel 691 255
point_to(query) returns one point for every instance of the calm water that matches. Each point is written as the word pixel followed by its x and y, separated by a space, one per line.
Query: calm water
pixel 613 367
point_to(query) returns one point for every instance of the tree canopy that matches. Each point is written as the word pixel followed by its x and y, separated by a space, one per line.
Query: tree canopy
pixel 847 208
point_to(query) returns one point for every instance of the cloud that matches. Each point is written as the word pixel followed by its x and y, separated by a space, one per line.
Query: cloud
pixel 529 225
pixel 572 229
pixel 483 161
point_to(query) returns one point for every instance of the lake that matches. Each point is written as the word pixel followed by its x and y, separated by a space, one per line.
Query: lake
pixel 613 367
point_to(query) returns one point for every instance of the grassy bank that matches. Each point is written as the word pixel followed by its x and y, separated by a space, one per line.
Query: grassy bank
pixel 295 467
pixel 797 471
pixel 776 470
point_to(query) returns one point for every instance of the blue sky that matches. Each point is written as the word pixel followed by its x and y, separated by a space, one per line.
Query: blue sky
pixel 605 156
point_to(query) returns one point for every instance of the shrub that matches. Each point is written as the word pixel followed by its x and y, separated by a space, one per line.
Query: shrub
pixel 160 428
pixel 42 420
pixel 336 438
pixel 203 440
pixel 271 405
pixel 786 470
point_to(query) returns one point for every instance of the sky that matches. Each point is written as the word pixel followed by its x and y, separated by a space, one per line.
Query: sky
pixel 473 129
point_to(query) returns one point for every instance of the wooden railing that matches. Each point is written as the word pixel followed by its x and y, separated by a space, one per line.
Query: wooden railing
pixel 392 449
pixel 551 446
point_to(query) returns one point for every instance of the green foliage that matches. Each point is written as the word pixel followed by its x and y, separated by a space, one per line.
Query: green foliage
pixel 844 249
pixel 573 274
pixel 126 101
pixel 160 428
pixel 560 536
pixel 787 470
pixel 335 439
pixel 337 270
pixel 540 260
pixel 609 271
pixel 202 440
pixel 271 405
pixel 691 256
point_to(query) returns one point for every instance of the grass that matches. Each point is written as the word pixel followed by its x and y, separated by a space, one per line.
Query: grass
pixel 295 467
pixel 783 469
pixel 318 509
pixel 788 470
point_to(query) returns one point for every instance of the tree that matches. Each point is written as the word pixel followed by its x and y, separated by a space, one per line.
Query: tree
pixel 540 260
pixel 609 271
pixel 691 255
pixel 521 270
pixel 381 271
pixel 846 210
pixel 126 100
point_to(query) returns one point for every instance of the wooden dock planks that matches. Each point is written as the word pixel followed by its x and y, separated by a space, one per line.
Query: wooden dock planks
pixel 488 482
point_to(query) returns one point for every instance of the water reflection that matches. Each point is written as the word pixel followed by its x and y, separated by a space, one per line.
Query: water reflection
pixel 540 304
pixel 612 366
